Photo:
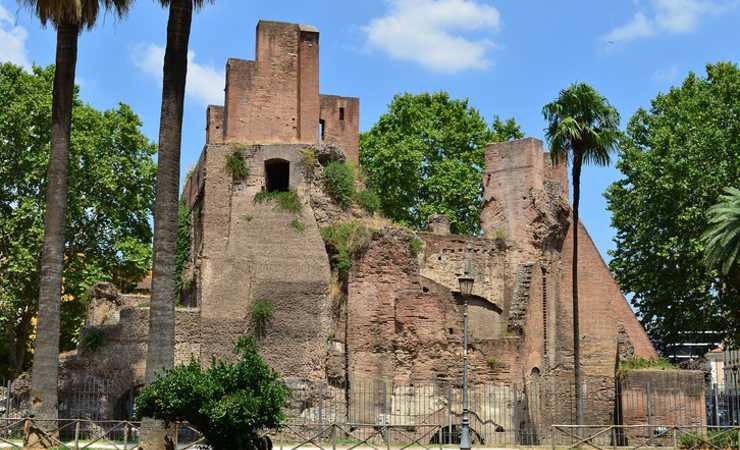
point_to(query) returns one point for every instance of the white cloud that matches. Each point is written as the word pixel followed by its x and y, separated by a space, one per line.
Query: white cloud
pixel 640 26
pixel 12 41
pixel 204 83
pixel 668 16
pixel 432 33
pixel 666 75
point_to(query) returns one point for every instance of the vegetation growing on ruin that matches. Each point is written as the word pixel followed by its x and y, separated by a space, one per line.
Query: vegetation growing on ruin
pixel 339 182
pixel 261 315
pixel 639 363
pixel 344 241
pixel 298 225
pixel 416 246
pixel 286 201
pixel 92 340
pixel 723 438
pixel 236 166
pixel 492 362
pixel 368 200
pixel 231 404
pixel 309 159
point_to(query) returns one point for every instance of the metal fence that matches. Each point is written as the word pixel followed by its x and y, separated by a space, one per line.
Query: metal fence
pixel 382 413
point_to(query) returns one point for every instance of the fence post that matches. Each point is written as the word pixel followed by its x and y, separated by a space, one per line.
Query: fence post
pixel 449 412
pixel 125 436
pixel 716 405
pixel 8 403
pixel 675 437
pixel 177 434
pixel 77 434
pixel 333 436
pixel 649 407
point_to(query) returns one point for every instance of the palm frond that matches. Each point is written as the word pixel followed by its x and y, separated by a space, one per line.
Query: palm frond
pixel 722 238
pixel 197 4
pixel 83 13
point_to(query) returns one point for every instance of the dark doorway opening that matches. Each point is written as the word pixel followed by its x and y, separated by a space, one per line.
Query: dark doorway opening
pixel 277 172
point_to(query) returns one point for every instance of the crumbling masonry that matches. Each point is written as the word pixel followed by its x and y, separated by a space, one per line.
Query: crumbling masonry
pixel 398 315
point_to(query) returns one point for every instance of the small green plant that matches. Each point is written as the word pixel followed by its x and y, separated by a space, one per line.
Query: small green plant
pixel 92 340
pixel 492 362
pixel 638 363
pixel 499 234
pixel 345 241
pixel 368 200
pixel 416 245
pixel 297 225
pixel 309 159
pixel 261 315
pixel 339 182
pixel 330 338
pixel 247 217
pixel 287 201
pixel 236 166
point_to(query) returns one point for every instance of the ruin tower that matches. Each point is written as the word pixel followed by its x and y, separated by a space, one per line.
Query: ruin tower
pixel 250 252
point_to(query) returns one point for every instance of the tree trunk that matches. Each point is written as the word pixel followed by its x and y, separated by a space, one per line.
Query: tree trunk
pixel 46 354
pixel 577 164
pixel 161 341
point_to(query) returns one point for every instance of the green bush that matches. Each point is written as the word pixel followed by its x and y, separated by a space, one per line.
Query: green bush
pixel 339 182
pixel 368 200
pixel 638 363
pixel 92 340
pixel 344 241
pixel 309 159
pixel 231 404
pixel 416 245
pixel 236 166
pixel 287 201
pixel 261 315
pixel 719 439
pixel 492 362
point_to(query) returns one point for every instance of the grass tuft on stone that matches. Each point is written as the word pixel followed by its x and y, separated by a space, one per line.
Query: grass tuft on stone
pixel 339 182
pixel 236 166
pixel 639 363
pixel 297 225
pixel 286 201
pixel 261 315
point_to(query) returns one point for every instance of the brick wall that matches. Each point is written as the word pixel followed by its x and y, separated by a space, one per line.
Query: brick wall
pixel 341 117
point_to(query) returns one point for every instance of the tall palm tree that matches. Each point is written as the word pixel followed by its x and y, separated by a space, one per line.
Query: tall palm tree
pixel 161 341
pixel 582 127
pixel 722 241
pixel 69 17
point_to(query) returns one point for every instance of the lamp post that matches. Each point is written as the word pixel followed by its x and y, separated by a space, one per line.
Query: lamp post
pixel 466 287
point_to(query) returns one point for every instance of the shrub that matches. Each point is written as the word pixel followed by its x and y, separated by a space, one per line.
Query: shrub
pixel 492 362
pixel 309 159
pixel 638 363
pixel 236 166
pixel 261 314
pixel 368 200
pixel 297 225
pixel 339 182
pixel 416 245
pixel 231 404
pixel 344 241
pixel 287 201
pixel 92 340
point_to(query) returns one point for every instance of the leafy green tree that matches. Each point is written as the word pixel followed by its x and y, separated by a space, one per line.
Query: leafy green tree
pixel 69 18
pixel 584 128
pixel 107 220
pixel 230 403
pixel 676 159
pixel 425 156
pixel 184 221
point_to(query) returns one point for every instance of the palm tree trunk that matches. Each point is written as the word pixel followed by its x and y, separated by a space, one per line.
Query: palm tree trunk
pixel 46 354
pixel 577 164
pixel 161 342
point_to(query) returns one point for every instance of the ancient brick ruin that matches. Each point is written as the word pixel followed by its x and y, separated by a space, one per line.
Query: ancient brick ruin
pixel 397 317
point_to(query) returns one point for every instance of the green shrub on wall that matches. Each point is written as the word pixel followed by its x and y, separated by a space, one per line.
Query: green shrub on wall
pixel 287 201
pixel 368 200
pixel 345 241
pixel 236 166
pixel 339 182
pixel 261 315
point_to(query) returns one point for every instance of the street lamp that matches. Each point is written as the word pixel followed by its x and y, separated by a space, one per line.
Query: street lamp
pixel 466 288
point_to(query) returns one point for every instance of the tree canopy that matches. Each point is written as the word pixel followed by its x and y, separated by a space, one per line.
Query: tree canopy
pixel 230 403
pixel 111 191
pixel 425 156
pixel 675 161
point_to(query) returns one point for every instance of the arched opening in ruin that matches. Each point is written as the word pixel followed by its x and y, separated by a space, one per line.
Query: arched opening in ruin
pixel 277 175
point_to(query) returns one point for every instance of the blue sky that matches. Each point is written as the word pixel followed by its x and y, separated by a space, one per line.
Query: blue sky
pixel 508 57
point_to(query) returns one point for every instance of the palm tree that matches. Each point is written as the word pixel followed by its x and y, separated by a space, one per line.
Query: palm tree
pixel 69 18
pixel 582 127
pixel 722 250
pixel 161 341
